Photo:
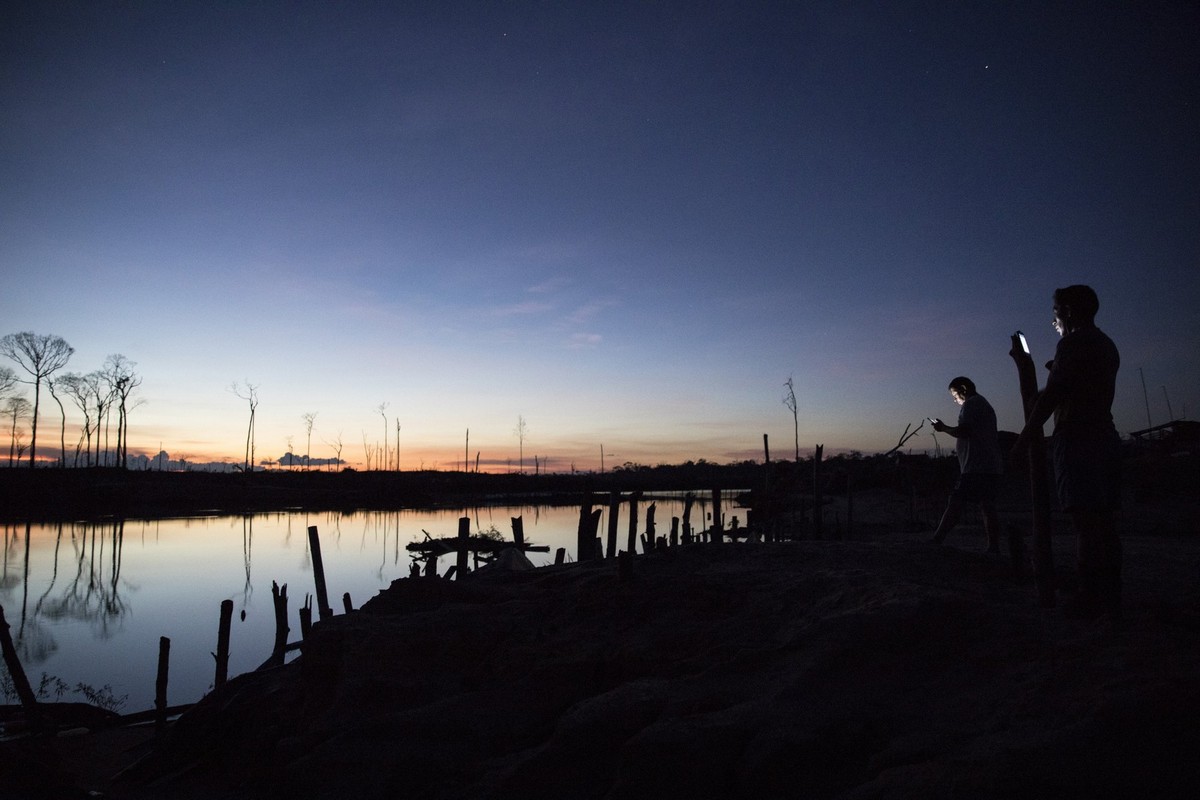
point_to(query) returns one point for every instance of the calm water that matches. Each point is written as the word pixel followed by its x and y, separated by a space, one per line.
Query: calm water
pixel 87 602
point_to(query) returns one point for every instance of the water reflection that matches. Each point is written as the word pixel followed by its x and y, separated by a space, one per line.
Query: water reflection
pixel 87 601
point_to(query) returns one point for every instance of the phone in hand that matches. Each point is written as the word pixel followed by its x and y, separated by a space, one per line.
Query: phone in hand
pixel 932 421
pixel 1024 343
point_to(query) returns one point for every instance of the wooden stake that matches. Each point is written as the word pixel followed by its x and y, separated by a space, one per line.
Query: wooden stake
pixel 222 654
pixel 20 682
pixel 633 522
pixel 614 511
pixel 314 544
pixel 160 686
pixel 585 534
pixel 346 604
pixel 518 529
pixel 464 545
pixel 716 529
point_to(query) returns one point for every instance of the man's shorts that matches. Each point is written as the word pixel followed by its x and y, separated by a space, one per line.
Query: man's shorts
pixel 1087 468
pixel 977 487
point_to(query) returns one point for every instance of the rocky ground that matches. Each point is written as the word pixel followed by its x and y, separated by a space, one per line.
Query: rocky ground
pixel 877 668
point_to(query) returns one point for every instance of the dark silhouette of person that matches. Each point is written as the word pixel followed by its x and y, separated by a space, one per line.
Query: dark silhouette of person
pixel 1086 448
pixel 980 461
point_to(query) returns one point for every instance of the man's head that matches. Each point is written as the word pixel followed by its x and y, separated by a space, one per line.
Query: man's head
pixel 961 388
pixel 1074 306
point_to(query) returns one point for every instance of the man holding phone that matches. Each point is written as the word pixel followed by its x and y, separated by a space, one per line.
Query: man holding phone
pixel 979 460
pixel 1086 447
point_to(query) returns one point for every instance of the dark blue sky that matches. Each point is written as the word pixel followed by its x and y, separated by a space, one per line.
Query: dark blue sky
pixel 629 223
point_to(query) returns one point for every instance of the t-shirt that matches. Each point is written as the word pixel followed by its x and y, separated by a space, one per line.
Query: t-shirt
pixel 1084 377
pixel 979 450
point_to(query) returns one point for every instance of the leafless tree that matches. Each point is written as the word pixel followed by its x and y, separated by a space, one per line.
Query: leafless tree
pixel 41 355
pixel 397 444
pixel 336 444
pixel 789 400
pixel 8 379
pixel 249 393
pixel 309 418
pixel 123 380
pixel 15 407
pixel 382 460
pixel 75 387
pixel 520 432
pixel 904 437
pixel 52 384
pixel 368 450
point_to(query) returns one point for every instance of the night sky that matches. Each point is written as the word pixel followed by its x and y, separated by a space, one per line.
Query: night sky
pixel 627 224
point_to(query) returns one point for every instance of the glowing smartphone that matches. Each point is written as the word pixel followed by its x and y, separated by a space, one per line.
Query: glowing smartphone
pixel 1024 344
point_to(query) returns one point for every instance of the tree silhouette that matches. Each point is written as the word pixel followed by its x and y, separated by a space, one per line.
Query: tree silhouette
pixel 52 384
pixel 75 387
pixel 308 417
pixel 520 432
pixel 336 444
pixel 118 371
pixel 250 394
pixel 8 379
pixel 41 355
pixel 16 407
pixel 382 460
pixel 789 400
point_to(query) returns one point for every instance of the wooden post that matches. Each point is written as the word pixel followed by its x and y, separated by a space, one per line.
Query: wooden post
pixel 585 535
pixel 347 606
pixel 688 499
pixel 160 686
pixel 767 519
pixel 614 512
pixel 280 601
pixel 20 681
pixel 518 529
pixel 716 529
pixel 818 508
pixel 560 556
pixel 306 618
pixel 314 545
pixel 464 545
pixel 1039 481
pixel 222 654
pixel 674 531
pixel 650 537
pixel 633 522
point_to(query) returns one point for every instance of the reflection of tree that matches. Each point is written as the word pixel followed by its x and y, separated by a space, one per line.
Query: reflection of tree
pixel 247 547
pixel 93 593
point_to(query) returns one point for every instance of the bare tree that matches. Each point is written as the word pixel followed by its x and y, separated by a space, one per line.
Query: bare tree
pixel 98 390
pixel 308 417
pixel 15 407
pixel 336 444
pixel 76 388
pixel 397 444
pixel 368 450
pixel 123 380
pixel 520 432
pixel 51 384
pixel 8 379
pixel 249 393
pixel 41 355
pixel 789 400
pixel 382 461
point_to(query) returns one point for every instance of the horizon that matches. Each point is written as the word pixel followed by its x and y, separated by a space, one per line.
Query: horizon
pixel 627 225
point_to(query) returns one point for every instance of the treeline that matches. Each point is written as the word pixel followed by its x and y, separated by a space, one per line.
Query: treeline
pixel 104 397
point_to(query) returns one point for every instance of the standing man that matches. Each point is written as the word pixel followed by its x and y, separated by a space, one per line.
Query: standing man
pixel 979 461
pixel 1085 446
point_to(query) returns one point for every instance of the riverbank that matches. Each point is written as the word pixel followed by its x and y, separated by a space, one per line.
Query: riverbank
pixel 882 668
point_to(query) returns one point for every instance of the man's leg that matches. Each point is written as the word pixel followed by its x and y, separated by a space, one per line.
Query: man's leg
pixel 1100 558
